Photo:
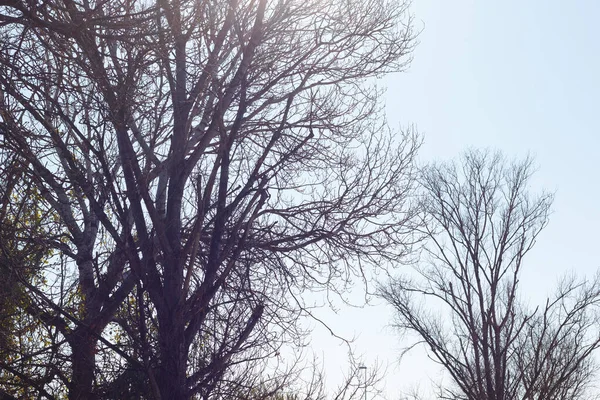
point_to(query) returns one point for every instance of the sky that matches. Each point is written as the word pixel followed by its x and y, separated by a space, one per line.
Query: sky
pixel 519 76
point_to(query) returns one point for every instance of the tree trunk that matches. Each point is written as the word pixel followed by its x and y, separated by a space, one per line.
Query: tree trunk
pixel 83 347
pixel 171 379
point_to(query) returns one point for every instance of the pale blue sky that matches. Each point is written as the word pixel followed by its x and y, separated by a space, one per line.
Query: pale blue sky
pixel 519 76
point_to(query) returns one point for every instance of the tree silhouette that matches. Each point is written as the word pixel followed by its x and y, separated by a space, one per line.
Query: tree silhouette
pixel 462 301
pixel 200 165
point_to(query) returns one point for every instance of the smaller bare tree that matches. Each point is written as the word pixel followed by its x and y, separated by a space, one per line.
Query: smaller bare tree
pixel 462 301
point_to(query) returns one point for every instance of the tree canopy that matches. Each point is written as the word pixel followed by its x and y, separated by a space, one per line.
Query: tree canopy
pixel 184 171
pixel 463 300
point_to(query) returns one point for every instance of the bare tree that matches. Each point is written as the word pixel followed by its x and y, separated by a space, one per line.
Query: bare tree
pixel 462 301
pixel 200 165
